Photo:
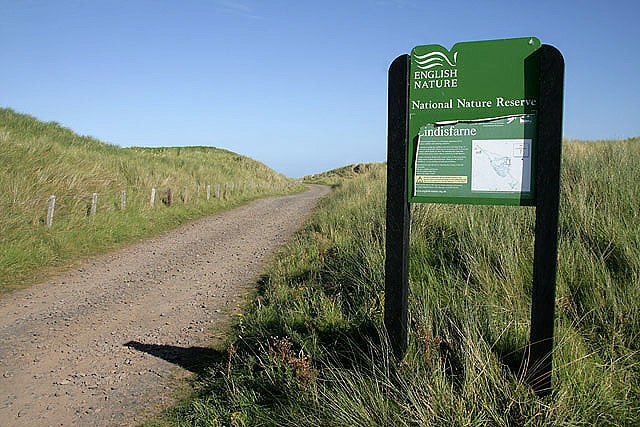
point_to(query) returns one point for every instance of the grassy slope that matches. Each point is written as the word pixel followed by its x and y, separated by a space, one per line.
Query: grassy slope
pixel 42 159
pixel 312 352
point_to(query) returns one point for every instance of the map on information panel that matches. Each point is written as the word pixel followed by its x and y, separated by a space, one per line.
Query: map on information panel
pixel 500 165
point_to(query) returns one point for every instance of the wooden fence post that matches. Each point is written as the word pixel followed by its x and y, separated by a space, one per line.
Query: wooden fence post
pixel 208 192
pixel 169 197
pixel 50 208
pixel 94 203
pixel 153 197
pixel 123 200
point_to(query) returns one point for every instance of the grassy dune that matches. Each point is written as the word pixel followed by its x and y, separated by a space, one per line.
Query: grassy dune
pixel 42 159
pixel 311 349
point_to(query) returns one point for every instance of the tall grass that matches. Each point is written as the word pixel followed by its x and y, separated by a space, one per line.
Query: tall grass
pixel 42 159
pixel 311 349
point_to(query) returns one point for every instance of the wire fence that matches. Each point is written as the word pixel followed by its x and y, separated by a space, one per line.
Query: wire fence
pixel 91 204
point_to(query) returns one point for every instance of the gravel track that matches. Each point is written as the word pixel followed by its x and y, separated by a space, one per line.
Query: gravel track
pixel 104 343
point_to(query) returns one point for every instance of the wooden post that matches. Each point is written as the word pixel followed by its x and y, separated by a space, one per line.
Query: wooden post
pixel 396 278
pixel 50 209
pixel 169 197
pixel 152 202
pixel 123 200
pixel 545 258
pixel 94 203
pixel 185 195
pixel 218 191
pixel 208 192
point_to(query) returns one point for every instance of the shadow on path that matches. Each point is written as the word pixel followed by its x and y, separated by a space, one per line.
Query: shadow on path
pixel 194 359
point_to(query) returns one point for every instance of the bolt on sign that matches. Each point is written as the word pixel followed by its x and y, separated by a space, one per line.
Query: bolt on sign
pixel 473 122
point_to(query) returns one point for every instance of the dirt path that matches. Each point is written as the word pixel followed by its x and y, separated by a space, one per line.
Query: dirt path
pixel 81 349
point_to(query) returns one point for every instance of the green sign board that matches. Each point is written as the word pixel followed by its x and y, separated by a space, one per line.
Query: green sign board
pixel 473 122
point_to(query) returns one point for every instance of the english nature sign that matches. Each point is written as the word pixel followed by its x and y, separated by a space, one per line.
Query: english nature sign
pixel 480 123
pixel 472 122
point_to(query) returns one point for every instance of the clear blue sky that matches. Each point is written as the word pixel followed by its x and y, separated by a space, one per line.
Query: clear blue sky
pixel 299 85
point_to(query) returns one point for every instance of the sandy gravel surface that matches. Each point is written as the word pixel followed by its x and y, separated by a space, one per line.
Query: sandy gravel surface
pixel 102 345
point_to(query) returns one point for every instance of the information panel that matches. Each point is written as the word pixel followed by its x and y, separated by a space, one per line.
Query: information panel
pixel 472 122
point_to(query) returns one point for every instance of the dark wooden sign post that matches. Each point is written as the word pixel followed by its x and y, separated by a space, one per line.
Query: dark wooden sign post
pixel 397 232
pixel 411 178
pixel 545 258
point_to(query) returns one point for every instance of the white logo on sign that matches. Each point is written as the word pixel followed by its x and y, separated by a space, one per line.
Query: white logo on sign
pixel 435 59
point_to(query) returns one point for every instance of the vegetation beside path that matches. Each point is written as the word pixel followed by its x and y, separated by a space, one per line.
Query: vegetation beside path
pixel 43 159
pixel 310 349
